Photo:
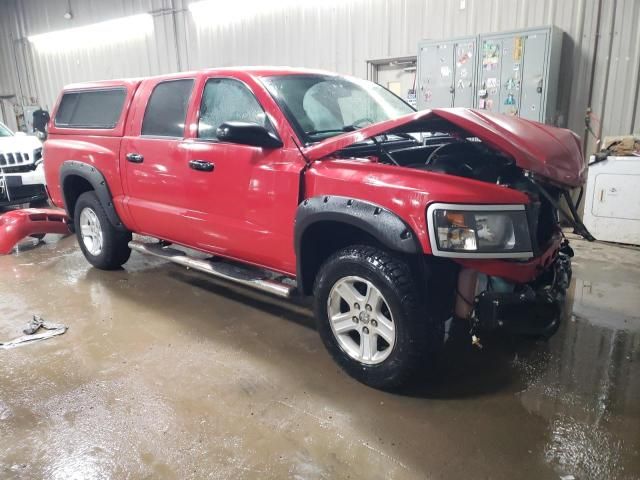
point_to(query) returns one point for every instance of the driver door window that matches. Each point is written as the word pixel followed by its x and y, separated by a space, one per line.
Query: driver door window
pixel 227 100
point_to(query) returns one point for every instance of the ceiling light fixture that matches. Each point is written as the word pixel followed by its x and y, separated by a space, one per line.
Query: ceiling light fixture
pixel 216 12
pixel 109 32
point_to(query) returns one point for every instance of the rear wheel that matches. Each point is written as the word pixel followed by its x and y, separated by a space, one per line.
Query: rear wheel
pixel 370 319
pixel 103 245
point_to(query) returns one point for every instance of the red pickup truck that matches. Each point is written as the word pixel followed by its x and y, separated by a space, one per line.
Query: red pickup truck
pixel 304 182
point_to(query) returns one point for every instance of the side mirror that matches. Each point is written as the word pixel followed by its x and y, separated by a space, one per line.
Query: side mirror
pixel 247 134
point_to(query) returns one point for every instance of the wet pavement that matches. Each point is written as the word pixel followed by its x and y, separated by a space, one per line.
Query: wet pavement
pixel 165 373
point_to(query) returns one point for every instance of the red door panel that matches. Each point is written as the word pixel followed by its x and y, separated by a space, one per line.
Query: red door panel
pixel 245 207
pixel 152 157
pixel 158 196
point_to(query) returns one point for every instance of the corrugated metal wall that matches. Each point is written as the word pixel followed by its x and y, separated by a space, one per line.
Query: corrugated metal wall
pixel 600 58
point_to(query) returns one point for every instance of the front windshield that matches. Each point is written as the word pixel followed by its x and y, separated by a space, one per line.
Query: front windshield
pixel 4 131
pixel 321 106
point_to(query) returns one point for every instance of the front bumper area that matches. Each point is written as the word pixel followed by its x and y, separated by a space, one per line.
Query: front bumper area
pixel 533 308
pixel 517 271
pixel 21 188
pixel 18 224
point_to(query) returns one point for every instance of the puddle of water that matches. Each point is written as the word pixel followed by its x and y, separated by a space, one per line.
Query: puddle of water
pixel 587 385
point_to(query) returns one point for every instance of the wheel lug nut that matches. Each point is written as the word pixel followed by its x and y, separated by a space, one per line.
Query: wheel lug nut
pixel 374 323
pixel 365 330
pixel 357 306
pixel 368 308
pixel 355 319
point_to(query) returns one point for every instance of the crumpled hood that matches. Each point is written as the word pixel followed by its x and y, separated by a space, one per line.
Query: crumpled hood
pixel 19 143
pixel 551 152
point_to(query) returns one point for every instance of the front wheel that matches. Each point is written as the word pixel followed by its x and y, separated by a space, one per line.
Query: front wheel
pixel 103 245
pixel 370 318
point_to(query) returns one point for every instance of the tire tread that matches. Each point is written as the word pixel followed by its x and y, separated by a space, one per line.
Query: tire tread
pixel 425 336
pixel 115 250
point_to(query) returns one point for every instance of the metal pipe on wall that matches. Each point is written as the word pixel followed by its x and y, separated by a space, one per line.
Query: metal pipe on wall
pixel 2 111
pixel 603 103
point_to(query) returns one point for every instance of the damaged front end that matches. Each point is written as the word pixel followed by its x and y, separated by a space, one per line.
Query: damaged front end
pixel 514 262
pixel 534 308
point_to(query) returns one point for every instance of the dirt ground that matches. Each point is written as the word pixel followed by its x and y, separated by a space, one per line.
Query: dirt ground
pixel 166 373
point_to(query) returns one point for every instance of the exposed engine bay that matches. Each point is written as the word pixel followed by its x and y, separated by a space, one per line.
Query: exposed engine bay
pixel 464 157
pixel 443 153
pixel 490 302
pixel 452 151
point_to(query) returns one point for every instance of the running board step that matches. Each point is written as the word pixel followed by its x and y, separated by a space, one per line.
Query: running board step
pixel 259 279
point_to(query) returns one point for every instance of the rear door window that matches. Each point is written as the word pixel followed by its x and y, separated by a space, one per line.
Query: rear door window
pixel 167 109
pixel 91 108
pixel 227 100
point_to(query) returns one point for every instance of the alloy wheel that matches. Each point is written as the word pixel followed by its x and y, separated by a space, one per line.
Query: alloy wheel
pixel 361 320
pixel 91 231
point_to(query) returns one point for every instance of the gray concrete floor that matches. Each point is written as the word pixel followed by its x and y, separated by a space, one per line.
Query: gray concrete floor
pixel 165 373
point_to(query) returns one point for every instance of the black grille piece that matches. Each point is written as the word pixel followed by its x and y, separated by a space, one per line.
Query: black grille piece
pixel 543 222
pixel 19 169
pixel 547 222
pixel 18 158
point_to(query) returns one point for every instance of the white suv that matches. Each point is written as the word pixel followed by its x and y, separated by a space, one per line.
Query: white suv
pixel 21 170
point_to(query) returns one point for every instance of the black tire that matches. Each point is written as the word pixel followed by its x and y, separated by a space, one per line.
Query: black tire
pixel 417 336
pixel 115 249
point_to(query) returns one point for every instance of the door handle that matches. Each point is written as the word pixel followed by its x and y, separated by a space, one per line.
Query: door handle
pixel 201 165
pixel 135 157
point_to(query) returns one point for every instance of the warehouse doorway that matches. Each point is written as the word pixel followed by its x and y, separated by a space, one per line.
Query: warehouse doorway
pixel 395 74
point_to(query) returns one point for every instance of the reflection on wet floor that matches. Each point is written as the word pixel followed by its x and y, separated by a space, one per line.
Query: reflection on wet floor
pixel 588 390
pixel 165 373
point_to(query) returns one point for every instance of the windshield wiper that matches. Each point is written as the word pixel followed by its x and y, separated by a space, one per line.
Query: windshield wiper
pixel 346 128
pixel 404 136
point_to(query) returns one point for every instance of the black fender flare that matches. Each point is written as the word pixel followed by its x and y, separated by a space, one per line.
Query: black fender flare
pixel 379 222
pixel 92 175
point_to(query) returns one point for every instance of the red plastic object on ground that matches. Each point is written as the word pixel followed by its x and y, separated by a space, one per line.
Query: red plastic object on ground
pixel 18 224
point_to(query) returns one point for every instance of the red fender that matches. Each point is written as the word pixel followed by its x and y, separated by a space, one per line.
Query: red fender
pixel 17 224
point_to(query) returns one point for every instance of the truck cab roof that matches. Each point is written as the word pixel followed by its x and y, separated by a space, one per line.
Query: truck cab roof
pixel 253 71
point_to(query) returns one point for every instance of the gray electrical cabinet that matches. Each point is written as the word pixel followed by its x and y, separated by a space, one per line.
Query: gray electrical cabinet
pixel 518 73
pixel 446 73
pixel 515 73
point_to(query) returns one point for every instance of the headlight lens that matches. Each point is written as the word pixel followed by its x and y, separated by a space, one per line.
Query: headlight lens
pixel 481 231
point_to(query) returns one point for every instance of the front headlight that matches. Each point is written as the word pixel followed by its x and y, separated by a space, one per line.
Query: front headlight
pixel 481 231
